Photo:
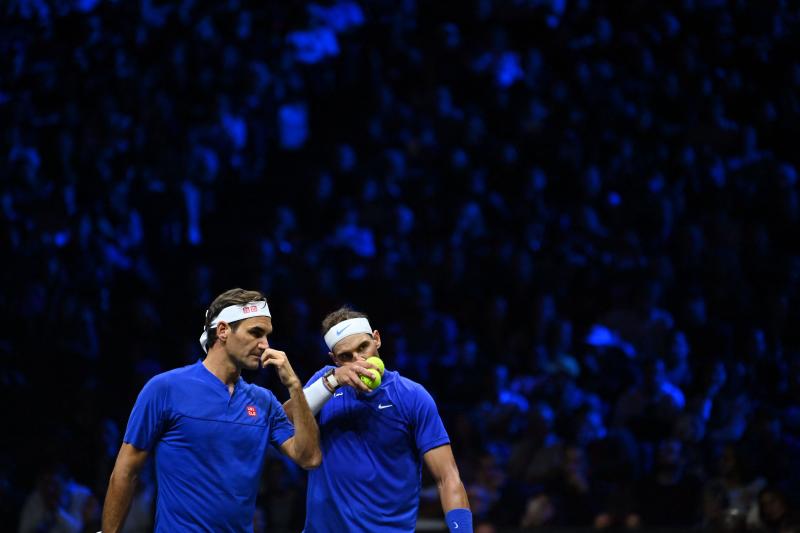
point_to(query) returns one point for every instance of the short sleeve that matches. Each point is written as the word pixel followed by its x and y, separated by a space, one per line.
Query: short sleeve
pixel 280 427
pixel 429 429
pixel 149 414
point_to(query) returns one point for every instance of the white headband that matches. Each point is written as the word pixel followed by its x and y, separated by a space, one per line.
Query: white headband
pixel 233 313
pixel 346 328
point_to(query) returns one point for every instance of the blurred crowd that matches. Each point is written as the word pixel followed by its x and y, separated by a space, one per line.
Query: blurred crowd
pixel 576 222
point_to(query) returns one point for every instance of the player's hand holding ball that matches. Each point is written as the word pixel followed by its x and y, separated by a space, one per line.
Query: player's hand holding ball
pixel 360 373
pixel 375 381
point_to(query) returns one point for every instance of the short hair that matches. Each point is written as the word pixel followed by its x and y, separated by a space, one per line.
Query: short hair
pixel 227 298
pixel 340 315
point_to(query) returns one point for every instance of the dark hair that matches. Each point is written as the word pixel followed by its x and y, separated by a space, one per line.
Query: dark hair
pixel 229 297
pixel 340 315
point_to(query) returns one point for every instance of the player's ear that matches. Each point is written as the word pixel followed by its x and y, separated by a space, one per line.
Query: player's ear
pixel 376 336
pixel 223 330
pixel 335 362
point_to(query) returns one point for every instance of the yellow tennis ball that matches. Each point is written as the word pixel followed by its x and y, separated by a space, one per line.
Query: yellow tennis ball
pixel 375 360
pixel 373 383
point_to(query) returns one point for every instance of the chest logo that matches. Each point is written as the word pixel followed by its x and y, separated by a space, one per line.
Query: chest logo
pixel 251 411
pixel 385 406
pixel 337 394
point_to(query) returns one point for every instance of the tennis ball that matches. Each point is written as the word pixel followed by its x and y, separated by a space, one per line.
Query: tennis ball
pixel 373 383
pixel 377 362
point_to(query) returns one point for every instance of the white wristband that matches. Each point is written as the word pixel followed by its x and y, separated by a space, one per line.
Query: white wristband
pixel 317 395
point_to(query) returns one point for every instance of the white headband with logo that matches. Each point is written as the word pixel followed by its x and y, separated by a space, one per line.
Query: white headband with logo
pixel 346 328
pixel 233 313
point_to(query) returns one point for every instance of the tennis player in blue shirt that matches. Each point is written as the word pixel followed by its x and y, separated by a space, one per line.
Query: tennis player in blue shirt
pixel 209 429
pixel 374 442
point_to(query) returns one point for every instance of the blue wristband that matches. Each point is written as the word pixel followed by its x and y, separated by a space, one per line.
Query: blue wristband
pixel 459 520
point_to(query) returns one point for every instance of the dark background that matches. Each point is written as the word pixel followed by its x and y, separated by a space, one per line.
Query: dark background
pixel 575 222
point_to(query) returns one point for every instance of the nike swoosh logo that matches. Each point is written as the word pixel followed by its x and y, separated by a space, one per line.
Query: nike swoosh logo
pixel 381 406
pixel 337 394
pixel 339 331
pixel 455 525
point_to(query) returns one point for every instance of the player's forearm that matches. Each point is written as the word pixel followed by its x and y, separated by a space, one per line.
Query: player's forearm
pixel 452 493
pixel 306 436
pixel 288 408
pixel 118 500
pixel 457 515
pixel 316 395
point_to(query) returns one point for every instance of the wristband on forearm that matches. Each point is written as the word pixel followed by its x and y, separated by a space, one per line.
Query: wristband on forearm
pixel 459 520
pixel 318 393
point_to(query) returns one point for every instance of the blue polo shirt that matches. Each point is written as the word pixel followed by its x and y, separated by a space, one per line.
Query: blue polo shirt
pixel 209 447
pixel 372 447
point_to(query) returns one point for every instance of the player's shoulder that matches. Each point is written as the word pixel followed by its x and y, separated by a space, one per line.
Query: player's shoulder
pixel 402 381
pixel 408 386
pixel 174 376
